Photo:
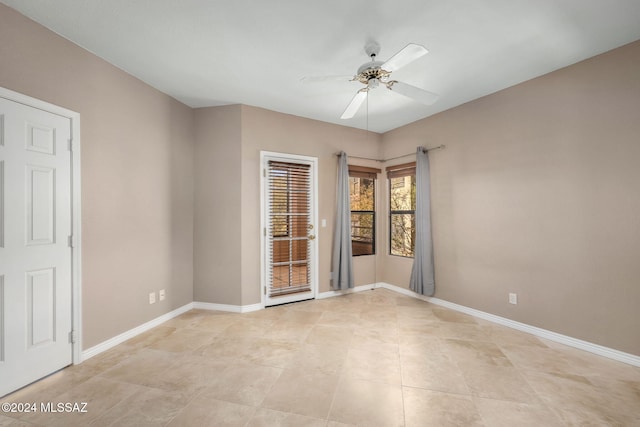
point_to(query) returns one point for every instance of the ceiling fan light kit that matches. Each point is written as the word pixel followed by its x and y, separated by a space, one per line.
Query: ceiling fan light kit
pixel 375 72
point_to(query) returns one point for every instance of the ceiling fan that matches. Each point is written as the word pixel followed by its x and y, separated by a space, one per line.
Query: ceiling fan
pixel 373 73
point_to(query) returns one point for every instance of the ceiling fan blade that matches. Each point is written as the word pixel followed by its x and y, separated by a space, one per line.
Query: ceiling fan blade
pixel 355 104
pixel 320 79
pixel 408 54
pixel 412 92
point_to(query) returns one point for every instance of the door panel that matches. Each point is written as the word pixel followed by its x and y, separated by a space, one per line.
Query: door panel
pixel 35 257
pixel 289 250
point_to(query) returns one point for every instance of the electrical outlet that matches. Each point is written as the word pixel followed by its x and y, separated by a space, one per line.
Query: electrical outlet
pixel 152 298
pixel 513 298
pixel 161 294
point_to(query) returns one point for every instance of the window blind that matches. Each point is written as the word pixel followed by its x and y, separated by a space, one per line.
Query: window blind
pixel 404 169
pixel 289 189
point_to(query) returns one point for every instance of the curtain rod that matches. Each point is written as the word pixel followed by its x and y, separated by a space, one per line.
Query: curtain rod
pixel 439 147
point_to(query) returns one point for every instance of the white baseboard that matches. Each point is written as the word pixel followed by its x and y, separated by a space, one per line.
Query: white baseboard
pixel 610 353
pixel 119 339
pixel 227 307
pixel 361 288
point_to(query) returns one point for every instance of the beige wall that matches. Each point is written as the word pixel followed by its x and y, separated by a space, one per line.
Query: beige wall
pixel 217 205
pixel 227 241
pixel 137 175
pixel 538 193
pixel 271 131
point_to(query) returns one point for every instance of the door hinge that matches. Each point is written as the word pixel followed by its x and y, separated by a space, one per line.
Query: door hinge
pixel 71 242
pixel 72 337
pixel 264 231
pixel 70 144
pixel 264 173
pixel 265 290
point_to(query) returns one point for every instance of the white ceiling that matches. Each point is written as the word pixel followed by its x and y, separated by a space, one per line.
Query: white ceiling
pixel 215 52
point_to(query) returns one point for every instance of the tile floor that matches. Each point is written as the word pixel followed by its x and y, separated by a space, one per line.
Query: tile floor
pixel 374 358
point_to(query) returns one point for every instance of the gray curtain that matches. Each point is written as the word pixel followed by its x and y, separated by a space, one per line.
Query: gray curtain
pixel 341 264
pixel 422 276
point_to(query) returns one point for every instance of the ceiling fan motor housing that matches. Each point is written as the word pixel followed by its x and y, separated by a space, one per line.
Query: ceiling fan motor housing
pixel 371 70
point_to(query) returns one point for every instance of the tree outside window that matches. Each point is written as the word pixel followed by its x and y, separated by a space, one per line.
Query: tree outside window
pixel 402 206
pixel 362 184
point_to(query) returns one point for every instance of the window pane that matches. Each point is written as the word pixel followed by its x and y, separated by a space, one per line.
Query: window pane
pixel 362 226
pixel 403 193
pixel 362 194
pixel 402 234
pixel 362 190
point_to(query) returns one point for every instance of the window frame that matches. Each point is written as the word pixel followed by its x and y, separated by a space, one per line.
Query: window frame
pixel 366 173
pixel 400 171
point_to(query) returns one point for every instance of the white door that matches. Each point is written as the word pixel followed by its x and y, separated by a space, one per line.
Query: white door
pixel 289 232
pixel 35 253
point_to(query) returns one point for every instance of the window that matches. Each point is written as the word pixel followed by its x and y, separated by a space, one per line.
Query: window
pixel 362 189
pixel 402 206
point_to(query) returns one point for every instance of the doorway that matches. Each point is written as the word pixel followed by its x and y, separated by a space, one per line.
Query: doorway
pixel 39 240
pixel 289 237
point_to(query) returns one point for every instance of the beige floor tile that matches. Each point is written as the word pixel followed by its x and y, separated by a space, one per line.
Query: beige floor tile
pixel 338 319
pixel 183 340
pixel 447 315
pixel 419 329
pixel 105 360
pixel 327 359
pixel 475 352
pixel 436 371
pixel 497 382
pixel 381 315
pixel 248 327
pixel 13 422
pixel 503 335
pixel 582 363
pixel 283 365
pixel 187 374
pixel 242 383
pixel 292 331
pixel 536 359
pixel 149 337
pixel 408 317
pixel 202 412
pixel 300 317
pixel 373 366
pixel 214 325
pixel 268 314
pixel 144 366
pixel 147 407
pixel 377 340
pixel 270 418
pixel 366 403
pixel 330 335
pixel 185 320
pixel 303 392
pixel 432 408
pixel 419 345
pixel 499 413
pixel 463 331
pixel 250 349
pixel 574 394
pixel 277 353
pixel 338 424
pixel 99 394
pixel 230 348
pixel 48 387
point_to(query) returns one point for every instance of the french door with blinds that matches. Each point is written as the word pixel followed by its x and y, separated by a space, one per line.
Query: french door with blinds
pixel 288 228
